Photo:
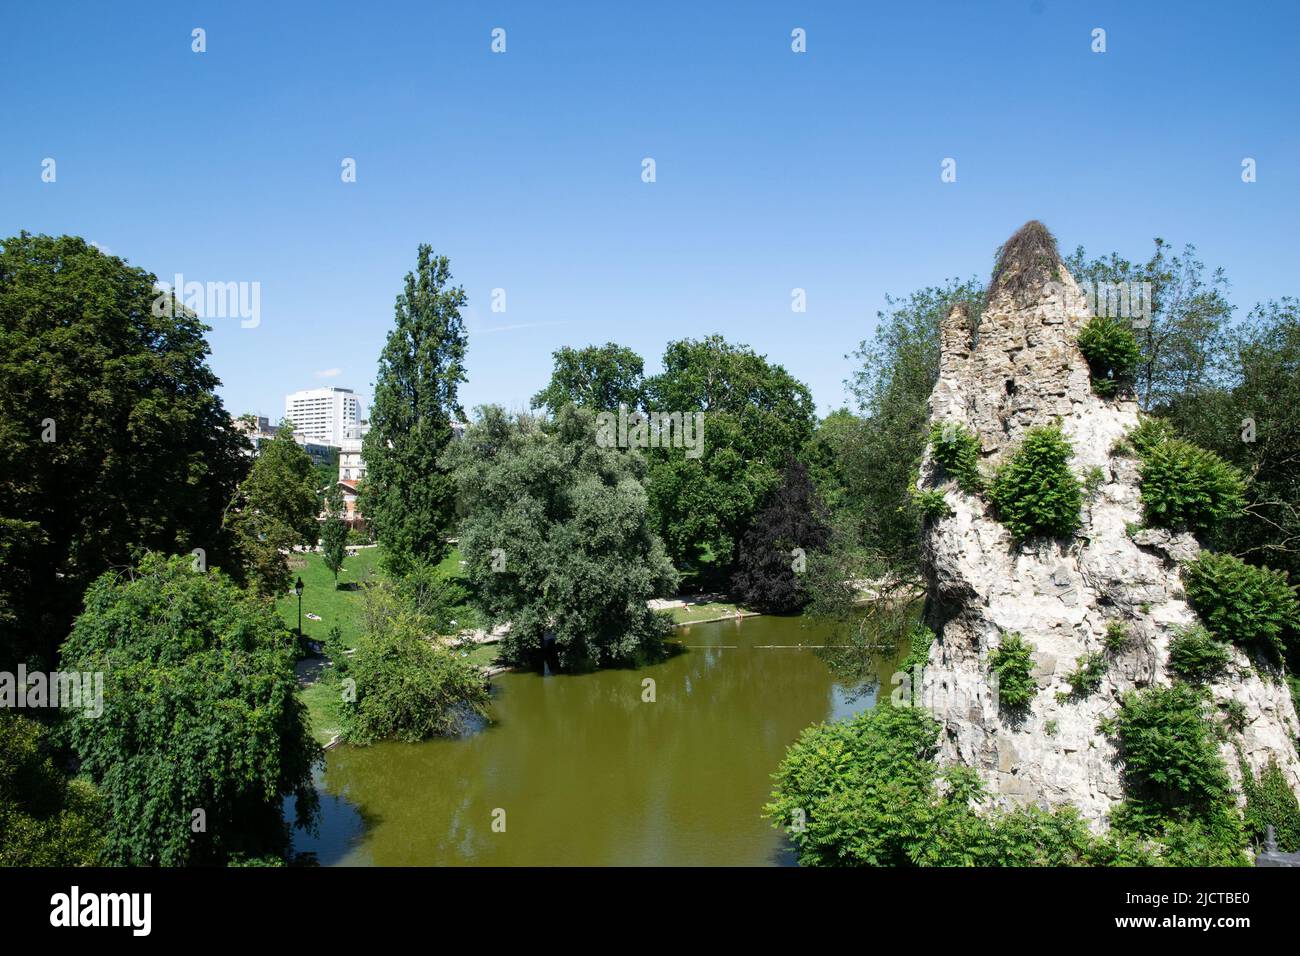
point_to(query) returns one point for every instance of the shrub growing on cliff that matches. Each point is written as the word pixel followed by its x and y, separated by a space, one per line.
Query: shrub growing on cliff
pixel 1170 757
pixel 1196 656
pixel 1013 663
pixel 1271 802
pixel 957 451
pixel 1087 674
pixel 931 504
pixel 1112 353
pixel 1035 491
pixel 1186 487
pixel 1243 603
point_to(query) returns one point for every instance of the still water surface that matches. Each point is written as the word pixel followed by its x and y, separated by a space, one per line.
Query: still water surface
pixel 588 774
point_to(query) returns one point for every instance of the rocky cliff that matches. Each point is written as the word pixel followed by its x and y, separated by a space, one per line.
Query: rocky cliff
pixel 1019 368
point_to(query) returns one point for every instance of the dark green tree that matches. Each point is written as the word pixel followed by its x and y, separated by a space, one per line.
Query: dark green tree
pixel 774 552
pixel 202 735
pixel 45 819
pixel 897 371
pixel 112 437
pixel 599 377
pixel 273 511
pixel 407 496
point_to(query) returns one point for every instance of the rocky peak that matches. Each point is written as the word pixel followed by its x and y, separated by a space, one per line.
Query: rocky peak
pixel 1016 368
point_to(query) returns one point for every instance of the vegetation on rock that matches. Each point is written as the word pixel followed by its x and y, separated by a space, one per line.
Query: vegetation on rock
pixel 1112 354
pixel 1247 605
pixel 1013 663
pixel 1035 492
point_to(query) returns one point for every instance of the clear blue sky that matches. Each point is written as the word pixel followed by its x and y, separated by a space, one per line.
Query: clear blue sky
pixel 775 170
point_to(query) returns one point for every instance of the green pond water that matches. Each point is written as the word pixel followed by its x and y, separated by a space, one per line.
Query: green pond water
pixel 587 773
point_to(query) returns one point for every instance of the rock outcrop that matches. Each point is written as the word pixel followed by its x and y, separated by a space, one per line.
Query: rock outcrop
pixel 1019 368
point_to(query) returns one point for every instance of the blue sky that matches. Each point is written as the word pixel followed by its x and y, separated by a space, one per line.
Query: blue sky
pixel 775 170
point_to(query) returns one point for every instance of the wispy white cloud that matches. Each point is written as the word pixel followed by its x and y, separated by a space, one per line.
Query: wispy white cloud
pixel 329 372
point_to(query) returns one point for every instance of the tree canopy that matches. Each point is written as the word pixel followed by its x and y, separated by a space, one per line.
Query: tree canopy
pixel 112 437
pixel 756 416
pixel 599 377
pixel 202 735
pixel 274 510
pixel 558 541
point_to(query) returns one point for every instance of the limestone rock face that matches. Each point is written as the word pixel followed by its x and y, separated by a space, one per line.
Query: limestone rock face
pixel 1021 368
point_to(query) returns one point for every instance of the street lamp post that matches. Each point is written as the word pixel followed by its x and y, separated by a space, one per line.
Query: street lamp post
pixel 297 589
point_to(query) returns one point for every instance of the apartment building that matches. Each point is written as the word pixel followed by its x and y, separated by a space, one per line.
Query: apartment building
pixel 324 415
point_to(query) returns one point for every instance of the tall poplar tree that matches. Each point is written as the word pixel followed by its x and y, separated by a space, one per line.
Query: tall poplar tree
pixel 407 496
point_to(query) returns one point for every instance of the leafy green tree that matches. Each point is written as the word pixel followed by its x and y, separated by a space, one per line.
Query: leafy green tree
pixel 202 736
pixel 325 475
pixel 897 371
pixel 274 510
pixel 756 416
pixel 1183 340
pixel 408 686
pixel 1254 423
pixel 558 541
pixel 774 552
pixel 112 437
pixel 599 377
pixel 334 532
pixel 45 819
pixel 1185 487
pixel 407 496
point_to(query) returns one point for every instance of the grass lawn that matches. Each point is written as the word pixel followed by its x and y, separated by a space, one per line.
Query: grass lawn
pixel 319 596
pixel 322 700
pixel 703 612
pixel 343 607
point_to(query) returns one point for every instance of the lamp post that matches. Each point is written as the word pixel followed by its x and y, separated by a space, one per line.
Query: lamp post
pixel 297 589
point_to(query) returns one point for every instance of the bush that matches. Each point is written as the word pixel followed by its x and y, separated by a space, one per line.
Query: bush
pixel 1185 486
pixel 847 791
pixel 1013 663
pixel 957 451
pixel 931 503
pixel 1117 637
pixel 1248 605
pixel 1150 433
pixel 1087 674
pixel 1112 354
pixel 1271 802
pixel 1170 757
pixel 1035 492
pixel 1196 656
pixel 407 687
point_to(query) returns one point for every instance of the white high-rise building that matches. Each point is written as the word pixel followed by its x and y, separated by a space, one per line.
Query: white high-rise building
pixel 324 414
